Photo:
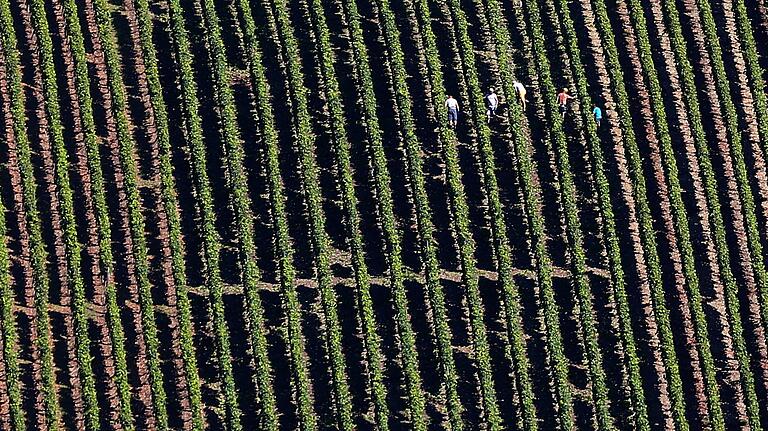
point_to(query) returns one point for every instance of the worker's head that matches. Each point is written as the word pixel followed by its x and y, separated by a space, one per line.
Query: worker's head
pixel 491 89
pixel 565 90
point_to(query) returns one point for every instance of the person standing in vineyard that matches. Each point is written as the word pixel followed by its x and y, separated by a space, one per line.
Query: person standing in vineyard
pixel 493 104
pixel 562 100
pixel 598 113
pixel 520 90
pixel 453 111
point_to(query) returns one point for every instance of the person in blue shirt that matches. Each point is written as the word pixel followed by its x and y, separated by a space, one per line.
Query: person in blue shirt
pixel 598 113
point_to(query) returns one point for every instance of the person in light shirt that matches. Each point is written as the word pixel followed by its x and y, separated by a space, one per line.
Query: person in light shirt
pixel 493 104
pixel 453 111
pixel 520 90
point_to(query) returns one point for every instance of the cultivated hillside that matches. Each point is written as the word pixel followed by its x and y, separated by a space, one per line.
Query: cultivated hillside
pixel 254 215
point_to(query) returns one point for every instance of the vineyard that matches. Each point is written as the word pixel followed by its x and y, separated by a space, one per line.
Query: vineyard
pixel 254 215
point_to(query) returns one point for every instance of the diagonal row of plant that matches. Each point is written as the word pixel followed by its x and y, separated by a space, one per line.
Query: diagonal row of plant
pixel 9 333
pixel 170 206
pixel 680 216
pixel 754 70
pixel 425 225
pixel 67 209
pixel 496 214
pixel 283 241
pixel 241 201
pixel 573 225
pixel 277 198
pixel 532 205
pixel 107 37
pixel 343 161
pixel 731 118
pixel 38 255
pixel 460 212
pixel 715 213
pixel 639 407
pixel 385 204
pixel 91 141
pixel 313 195
pixel 647 232
pixel 503 250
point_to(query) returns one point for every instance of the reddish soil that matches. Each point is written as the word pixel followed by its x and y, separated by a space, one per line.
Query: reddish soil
pixel 735 215
pixel 136 358
pixel 650 138
pixel 158 216
pixel 35 397
pixel 91 247
pixel 729 370
pixel 54 217
pixel 745 105
pixel 650 338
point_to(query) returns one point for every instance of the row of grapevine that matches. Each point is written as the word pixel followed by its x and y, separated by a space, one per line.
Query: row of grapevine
pixel 385 204
pixel 107 38
pixel 680 216
pixel 341 145
pixel 618 284
pixel 737 153
pixel 713 200
pixel 573 225
pixel 170 206
pixel 517 372
pixel 425 225
pixel 9 333
pixel 238 183
pixel 647 233
pixel 9 337
pixel 490 14
pixel 66 203
pixel 310 184
pixel 532 196
pixel 82 84
pixel 204 202
pixel 496 213
pixel 458 199
pixel 38 253
pixel 756 74
pixel 291 305
pixel 754 70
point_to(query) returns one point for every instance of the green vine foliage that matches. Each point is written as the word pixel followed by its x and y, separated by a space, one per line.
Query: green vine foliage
pixel 106 35
pixel 647 232
pixel 715 213
pixel 38 257
pixel 91 140
pixel 317 222
pixel 9 333
pixel 66 207
pixel 637 397
pixel 291 304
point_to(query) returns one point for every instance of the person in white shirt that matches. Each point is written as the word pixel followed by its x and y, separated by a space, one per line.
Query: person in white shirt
pixel 520 90
pixel 453 111
pixel 493 104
